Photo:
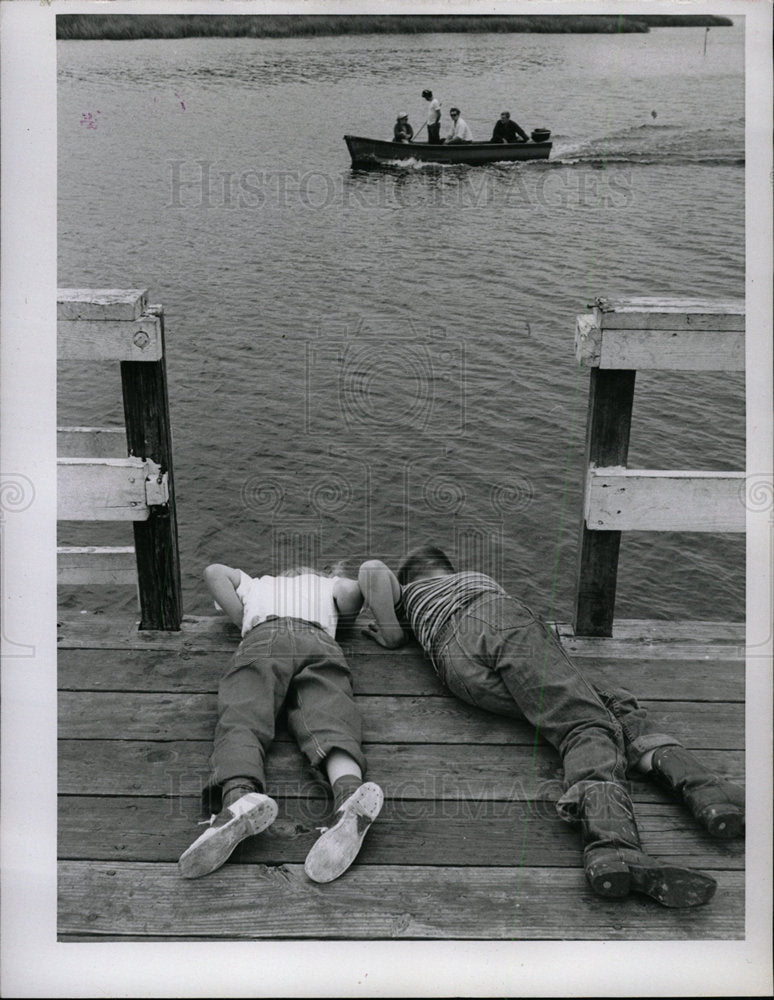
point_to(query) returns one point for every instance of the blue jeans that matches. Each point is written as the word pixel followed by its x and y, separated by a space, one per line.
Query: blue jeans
pixel 497 655
pixel 278 659
pixel 640 734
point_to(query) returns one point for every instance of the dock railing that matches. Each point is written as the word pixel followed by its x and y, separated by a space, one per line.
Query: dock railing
pixel 114 474
pixel 613 340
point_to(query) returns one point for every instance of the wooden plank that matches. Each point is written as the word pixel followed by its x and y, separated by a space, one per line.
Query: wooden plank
pixel 110 340
pixel 373 902
pixel 106 632
pixel 128 715
pixel 669 313
pixel 205 633
pixel 94 564
pixel 643 672
pixel 650 677
pixel 182 670
pixel 181 768
pixel 215 634
pixel 673 350
pixel 101 489
pixel 101 303
pixel 140 670
pixel 619 499
pixel 460 832
pixel 663 630
pixel 611 397
pixel 651 334
pixel 582 646
pixel 91 442
pixel 149 435
pixel 662 642
pixel 212 634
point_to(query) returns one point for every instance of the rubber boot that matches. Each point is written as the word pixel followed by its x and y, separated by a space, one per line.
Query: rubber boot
pixel 615 863
pixel 716 803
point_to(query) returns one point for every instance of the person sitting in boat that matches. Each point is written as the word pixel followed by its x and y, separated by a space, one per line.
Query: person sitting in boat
pixel 403 132
pixel 460 132
pixel 506 130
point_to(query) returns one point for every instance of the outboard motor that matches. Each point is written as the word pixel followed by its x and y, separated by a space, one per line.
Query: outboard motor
pixel 540 135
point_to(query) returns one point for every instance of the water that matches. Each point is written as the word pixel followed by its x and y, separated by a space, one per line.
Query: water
pixel 364 360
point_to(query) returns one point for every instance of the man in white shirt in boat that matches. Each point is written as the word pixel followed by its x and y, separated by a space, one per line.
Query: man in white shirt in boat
pixel 460 132
pixel 433 117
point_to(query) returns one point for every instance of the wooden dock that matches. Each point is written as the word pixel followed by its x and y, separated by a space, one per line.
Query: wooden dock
pixel 468 845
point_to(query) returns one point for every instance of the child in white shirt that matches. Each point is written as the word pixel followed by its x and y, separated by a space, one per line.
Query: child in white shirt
pixel 288 650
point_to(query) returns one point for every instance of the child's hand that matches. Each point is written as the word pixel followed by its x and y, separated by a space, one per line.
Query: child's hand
pixel 389 638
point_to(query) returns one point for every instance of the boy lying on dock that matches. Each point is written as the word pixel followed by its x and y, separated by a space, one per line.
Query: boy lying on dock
pixel 288 648
pixel 493 652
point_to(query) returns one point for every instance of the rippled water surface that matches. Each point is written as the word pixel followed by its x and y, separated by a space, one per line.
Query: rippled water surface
pixel 362 360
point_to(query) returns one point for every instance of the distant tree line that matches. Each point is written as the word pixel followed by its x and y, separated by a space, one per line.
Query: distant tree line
pixel 129 26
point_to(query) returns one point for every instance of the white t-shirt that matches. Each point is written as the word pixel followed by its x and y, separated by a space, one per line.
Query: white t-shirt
pixel 460 130
pixel 434 112
pixel 309 597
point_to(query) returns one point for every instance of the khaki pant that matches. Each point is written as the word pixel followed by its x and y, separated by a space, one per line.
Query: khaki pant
pixel 284 658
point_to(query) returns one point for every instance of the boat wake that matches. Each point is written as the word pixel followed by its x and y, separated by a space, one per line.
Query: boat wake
pixel 653 144
pixel 422 166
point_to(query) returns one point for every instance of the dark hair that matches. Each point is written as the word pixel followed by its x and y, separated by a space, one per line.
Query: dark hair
pixel 427 93
pixel 452 110
pixel 421 559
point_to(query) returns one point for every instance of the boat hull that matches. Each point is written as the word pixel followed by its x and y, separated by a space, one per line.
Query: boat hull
pixel 377 152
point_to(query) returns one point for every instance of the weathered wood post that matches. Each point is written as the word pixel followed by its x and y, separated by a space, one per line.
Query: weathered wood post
pixel 94 481
pixel 149 436
pixel 611 398
pixel 615 340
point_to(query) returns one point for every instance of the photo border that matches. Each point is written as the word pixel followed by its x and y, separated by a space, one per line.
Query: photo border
pixel 34 963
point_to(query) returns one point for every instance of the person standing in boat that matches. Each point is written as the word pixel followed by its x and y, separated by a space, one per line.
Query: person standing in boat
pixel 492 652
pixel 403 132
pixel 460 132
pixel 433 117
pixel 288 651
pixel 507 130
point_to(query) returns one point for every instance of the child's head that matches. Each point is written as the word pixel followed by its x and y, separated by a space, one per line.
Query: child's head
pixel 425 560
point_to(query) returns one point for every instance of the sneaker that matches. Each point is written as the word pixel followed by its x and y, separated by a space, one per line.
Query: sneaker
pixel 338 845
pixel 244 818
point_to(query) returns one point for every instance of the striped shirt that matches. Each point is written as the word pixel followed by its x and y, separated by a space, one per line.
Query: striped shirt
pixel 431 603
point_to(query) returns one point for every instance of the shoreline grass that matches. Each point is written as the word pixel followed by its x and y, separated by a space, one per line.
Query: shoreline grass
pixel 135 26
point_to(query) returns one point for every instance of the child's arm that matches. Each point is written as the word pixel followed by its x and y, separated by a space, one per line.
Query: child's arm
pixel 381 591
pixel 348 598
pixel 222 582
